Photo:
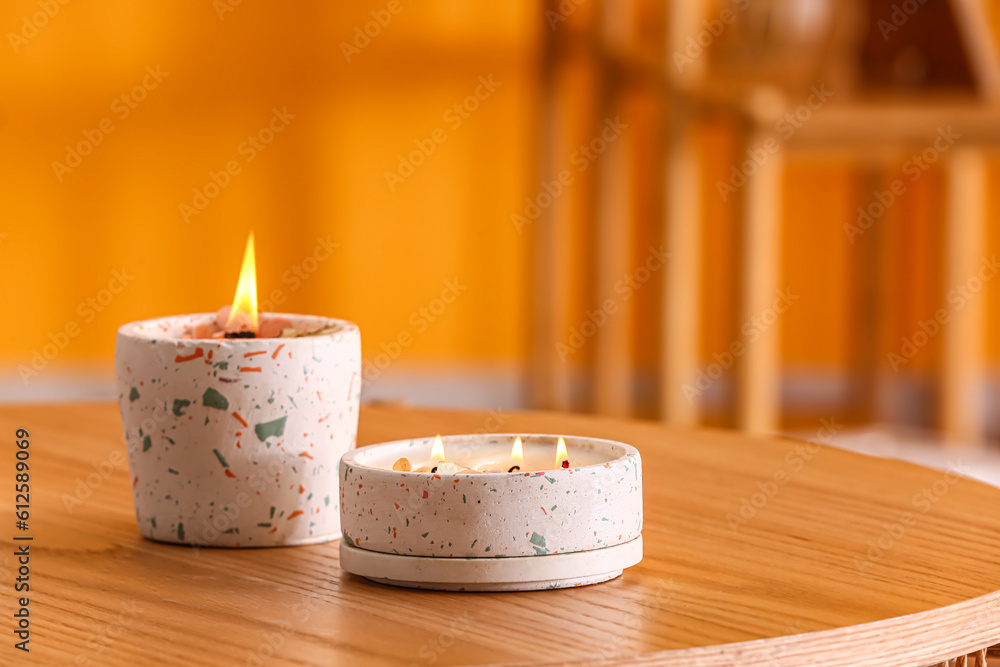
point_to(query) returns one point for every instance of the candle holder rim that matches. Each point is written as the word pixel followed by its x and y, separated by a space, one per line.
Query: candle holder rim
pixel 350 457
pixel 125 330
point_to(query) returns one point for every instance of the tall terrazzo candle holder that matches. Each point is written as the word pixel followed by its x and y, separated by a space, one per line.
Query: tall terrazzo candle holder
pixel 492 531
pixel 237 442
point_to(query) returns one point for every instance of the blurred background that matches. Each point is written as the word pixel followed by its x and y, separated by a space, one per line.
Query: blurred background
pixel 748 214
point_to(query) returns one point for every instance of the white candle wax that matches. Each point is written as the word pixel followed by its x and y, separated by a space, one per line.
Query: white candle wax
pixel 497 455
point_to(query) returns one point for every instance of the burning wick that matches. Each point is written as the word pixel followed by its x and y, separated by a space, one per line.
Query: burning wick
pixel 516 455
pixel 437 460
pixel 562 457
pixel 242 322
pixel 437 451
pixel 440 464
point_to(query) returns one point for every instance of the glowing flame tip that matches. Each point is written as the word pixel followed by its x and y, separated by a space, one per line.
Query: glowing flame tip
pixel 437 452
pixel 244 311
pixel 517 451
pixel 561 454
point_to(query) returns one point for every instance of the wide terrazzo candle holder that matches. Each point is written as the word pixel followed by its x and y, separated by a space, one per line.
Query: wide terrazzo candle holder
pixel 516 531
pixel 237 442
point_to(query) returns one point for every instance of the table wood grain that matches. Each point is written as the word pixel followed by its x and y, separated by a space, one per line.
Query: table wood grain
pixel 840 559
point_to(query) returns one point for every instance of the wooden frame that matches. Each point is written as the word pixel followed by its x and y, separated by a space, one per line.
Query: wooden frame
pixel 868 133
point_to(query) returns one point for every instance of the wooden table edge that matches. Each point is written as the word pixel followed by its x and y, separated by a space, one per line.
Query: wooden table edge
pixel 955 630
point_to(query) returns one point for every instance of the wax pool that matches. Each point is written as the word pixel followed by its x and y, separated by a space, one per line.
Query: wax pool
pixel 538 455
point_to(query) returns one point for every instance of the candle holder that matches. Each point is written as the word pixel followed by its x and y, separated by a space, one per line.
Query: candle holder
pixel 236 442
pixel 497 531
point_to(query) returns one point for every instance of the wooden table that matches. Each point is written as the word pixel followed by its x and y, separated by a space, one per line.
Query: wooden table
pixel 796 581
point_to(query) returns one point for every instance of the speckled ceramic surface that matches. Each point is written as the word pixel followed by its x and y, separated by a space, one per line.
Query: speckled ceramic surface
pixel 237 443
pixel 493 515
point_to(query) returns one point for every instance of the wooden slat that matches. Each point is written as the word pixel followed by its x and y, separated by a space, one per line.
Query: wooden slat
pixel 613 380
pixel 613 377
pixel 760 380
pixel 962 400
pixel 866 127
pixel 682 223
pixel 682 288
pixel 867 355
pixel 972 19
pixel 549 375
pixel 684 20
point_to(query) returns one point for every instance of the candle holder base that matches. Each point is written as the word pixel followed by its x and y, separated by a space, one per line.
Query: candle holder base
pixel 522 573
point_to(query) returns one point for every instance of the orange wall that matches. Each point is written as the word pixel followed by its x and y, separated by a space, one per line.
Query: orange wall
pixel 323 175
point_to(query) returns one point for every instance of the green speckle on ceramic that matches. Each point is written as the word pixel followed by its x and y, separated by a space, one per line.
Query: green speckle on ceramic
pixel 275 427
pixel 213 399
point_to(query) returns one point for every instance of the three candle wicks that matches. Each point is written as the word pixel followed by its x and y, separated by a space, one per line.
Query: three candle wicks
pixel 440 464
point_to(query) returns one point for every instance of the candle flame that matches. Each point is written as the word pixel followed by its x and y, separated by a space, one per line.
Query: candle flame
pixel 561 454
pixel 437 451
pixel 244 311
pixel 517 452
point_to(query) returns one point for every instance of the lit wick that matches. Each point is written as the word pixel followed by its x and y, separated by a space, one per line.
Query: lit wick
pixel 242 322
pixel 438 462
pixel 562 456
pixel 516 455
pixel 437 451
